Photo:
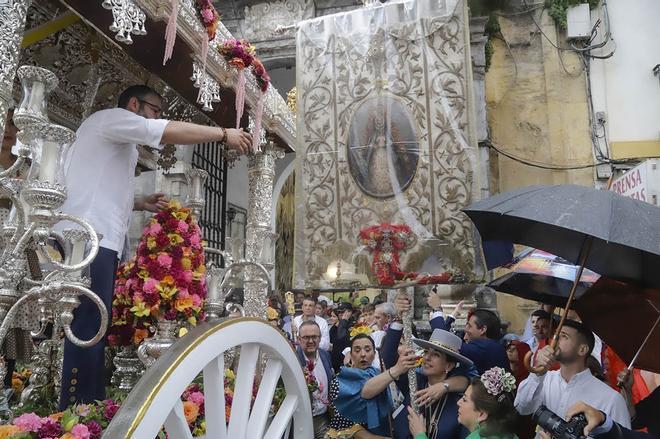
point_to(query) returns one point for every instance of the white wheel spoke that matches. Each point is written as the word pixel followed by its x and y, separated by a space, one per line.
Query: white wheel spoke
pixel 155 401
pixel 214 398
pixel 240 407
pixel 264 399
pixel 282 418
pixel 176 425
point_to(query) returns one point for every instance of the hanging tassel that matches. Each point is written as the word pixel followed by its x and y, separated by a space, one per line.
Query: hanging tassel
pixel 170 31
pixel 205 54
pixel 258 114
pixel 240 97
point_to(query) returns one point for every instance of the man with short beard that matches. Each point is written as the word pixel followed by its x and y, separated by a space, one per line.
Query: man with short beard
pixel 559 389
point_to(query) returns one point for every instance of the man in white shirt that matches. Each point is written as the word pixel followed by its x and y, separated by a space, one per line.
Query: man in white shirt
pixel 309 313
pixel 99 181
pixel 558 390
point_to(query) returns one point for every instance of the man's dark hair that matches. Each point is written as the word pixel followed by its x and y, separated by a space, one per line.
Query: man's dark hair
pixel 489 319
pixel 309 323
pixel 541 314
pixel 136 91
pixel 310 299
pixel 587 337
pixel 360 337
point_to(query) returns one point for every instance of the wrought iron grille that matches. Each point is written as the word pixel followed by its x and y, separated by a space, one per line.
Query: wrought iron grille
pixel 208 156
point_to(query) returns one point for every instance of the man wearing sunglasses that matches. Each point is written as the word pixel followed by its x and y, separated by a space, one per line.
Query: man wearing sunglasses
pixel 99 180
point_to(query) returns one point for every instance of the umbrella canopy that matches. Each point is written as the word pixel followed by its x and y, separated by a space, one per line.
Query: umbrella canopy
pixel 623 315
pixel 559 219
pixel 544 278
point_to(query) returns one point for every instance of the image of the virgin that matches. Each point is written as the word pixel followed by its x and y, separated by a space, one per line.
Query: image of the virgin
pixel 383 150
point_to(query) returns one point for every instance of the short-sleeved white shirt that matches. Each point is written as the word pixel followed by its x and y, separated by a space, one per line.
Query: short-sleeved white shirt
pixel 100 169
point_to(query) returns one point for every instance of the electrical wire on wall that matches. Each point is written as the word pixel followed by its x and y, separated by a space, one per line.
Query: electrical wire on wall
pixel 598 130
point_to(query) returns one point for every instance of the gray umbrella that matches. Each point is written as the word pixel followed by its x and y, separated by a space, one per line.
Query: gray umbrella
pixel 623 234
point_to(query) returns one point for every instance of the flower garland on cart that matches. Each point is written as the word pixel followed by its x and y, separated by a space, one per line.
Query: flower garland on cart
pixel 241 55
pixel 165 280
pixel 207 14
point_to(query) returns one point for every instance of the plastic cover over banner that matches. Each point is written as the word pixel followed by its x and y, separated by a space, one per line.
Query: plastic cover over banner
pixel 386 153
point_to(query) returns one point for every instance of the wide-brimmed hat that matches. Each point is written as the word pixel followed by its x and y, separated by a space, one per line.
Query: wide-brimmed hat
pixel 445 342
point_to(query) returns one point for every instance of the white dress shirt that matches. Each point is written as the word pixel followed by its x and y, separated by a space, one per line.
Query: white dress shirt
pixel 323 325
pixel 320 405
pixel 100 169
pixel 558 395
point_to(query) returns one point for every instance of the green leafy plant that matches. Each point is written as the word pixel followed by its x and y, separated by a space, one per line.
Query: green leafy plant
pixel 557 9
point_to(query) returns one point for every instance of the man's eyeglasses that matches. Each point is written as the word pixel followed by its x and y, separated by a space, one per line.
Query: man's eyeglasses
pixel 154 107
pixel 310 338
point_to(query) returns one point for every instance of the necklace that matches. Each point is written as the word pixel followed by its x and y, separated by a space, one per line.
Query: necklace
pixel 432 420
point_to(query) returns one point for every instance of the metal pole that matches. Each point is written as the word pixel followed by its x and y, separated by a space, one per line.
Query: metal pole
pixel 261 175
pixel 12 26
pixel 407 319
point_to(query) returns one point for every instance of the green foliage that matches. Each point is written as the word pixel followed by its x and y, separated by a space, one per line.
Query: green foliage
pixel 492 29
pixel 557 9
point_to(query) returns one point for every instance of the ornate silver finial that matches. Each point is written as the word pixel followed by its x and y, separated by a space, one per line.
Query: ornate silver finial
pixel 209 89
pixel 127 19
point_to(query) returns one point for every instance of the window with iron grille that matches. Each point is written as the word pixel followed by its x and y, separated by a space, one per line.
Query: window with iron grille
pixel 208 156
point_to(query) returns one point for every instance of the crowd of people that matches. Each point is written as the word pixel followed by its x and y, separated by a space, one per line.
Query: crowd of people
pixel 472 382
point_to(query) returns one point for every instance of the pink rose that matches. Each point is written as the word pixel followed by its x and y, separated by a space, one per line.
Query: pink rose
pixel 80 431
pixel 194 240
pixel 28 422
pixel 182 227
pixel 207 15
pixel 164 260
pixel 153 229
pixel 150 285
pixel 197 301
pixel 196 398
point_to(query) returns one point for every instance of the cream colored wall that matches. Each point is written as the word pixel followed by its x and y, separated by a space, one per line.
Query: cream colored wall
pixel 538 113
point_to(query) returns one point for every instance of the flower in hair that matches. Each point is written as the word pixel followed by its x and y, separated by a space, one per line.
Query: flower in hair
pixel 498 381
pixel 360 329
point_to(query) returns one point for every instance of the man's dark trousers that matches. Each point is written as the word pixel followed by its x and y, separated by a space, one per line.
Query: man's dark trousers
pixel 83 371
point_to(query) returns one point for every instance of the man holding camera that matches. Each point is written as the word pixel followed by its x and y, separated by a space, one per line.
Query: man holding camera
pixel 558 390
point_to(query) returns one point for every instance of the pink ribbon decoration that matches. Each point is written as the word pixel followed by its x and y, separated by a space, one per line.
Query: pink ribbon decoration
pixel 240 97
pixel 170 31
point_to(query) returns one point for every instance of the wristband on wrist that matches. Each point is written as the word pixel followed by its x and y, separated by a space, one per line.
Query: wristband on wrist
pixel 421 436
pixel 389 371
pixel 224 135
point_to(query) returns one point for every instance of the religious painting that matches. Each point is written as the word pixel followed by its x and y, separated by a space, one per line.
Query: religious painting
pixel 382 147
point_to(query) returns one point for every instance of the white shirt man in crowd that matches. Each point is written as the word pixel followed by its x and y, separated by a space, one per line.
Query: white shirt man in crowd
pixel 558 390
pixel 309 313
pixel 309 335
pixel 383 316
pixel 99 180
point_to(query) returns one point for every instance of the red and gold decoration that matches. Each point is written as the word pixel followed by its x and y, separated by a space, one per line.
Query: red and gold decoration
pixel 386 242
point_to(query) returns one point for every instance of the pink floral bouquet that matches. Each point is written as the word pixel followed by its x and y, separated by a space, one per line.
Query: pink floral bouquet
pixel 238 53
pixel 82 421
pixel 209 16
pixel 166 279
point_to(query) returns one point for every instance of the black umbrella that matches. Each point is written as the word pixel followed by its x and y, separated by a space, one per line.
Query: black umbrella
pixel 624 233
pixel 613 235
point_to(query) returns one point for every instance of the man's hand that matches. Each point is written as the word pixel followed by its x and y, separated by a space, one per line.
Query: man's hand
pixel 402 304
pixel 594 416
pixel 545 357
pixel 430 394
pixel 458 310
pixel 152 203
pixel 625 380
pixel 238 140
pixel 434 301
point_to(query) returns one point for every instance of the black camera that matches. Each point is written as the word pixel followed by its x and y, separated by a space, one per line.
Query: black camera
pixel 557 427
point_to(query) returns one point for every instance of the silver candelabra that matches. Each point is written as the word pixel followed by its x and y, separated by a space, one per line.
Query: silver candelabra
pixel 30 230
